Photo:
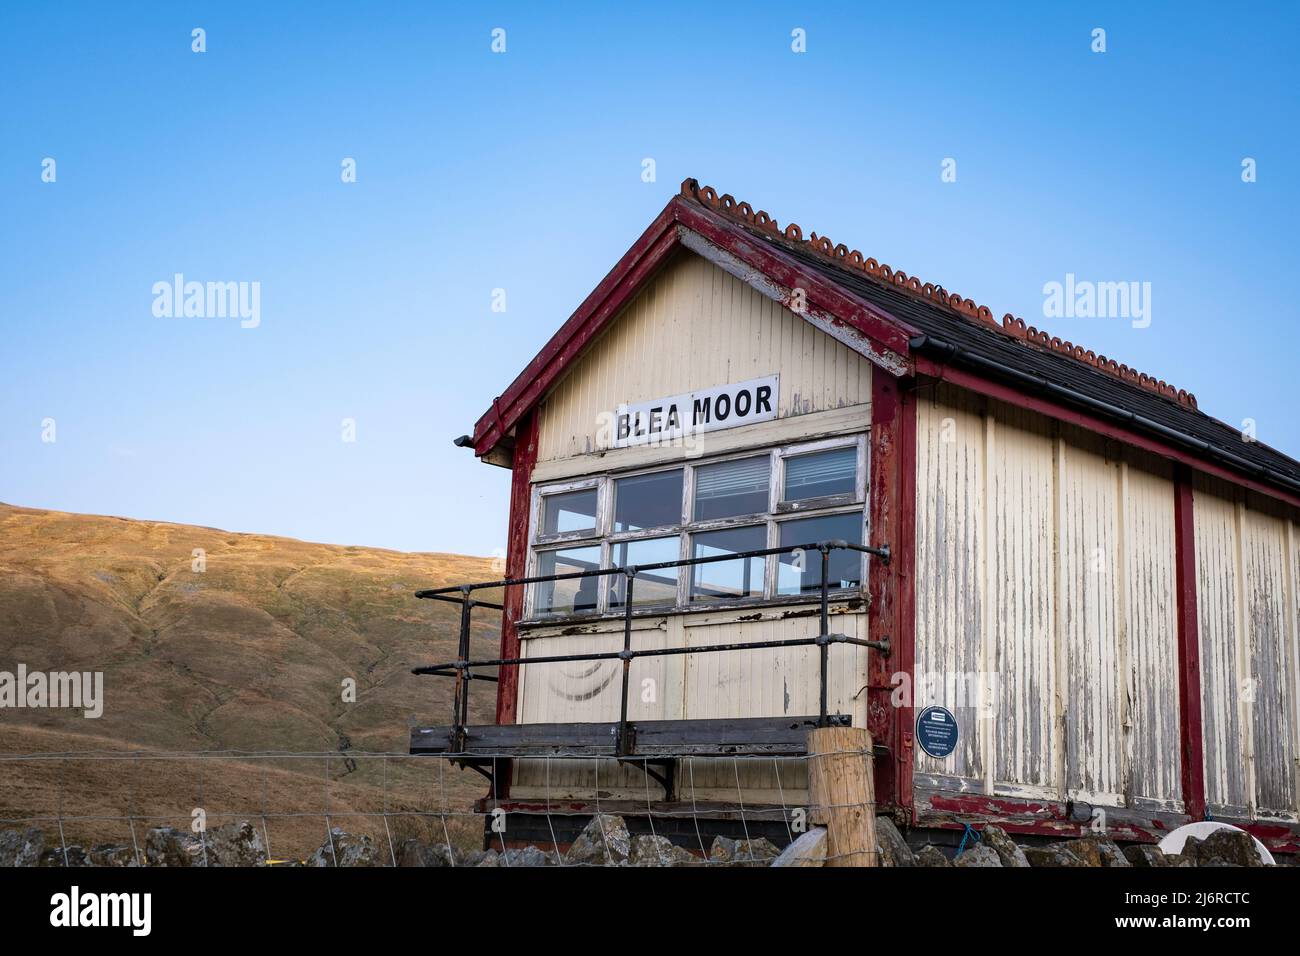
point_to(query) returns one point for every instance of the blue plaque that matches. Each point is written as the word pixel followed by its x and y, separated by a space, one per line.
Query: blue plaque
pixel 936 731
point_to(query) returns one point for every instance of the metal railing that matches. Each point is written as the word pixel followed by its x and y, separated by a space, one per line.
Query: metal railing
pixel 462 669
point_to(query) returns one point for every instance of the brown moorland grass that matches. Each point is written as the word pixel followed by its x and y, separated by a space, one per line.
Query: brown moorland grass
pixel 248 654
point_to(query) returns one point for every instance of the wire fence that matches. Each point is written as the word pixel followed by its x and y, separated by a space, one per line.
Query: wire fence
pixel 304 803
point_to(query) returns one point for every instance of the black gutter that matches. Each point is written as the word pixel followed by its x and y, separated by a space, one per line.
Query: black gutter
pixel 938 347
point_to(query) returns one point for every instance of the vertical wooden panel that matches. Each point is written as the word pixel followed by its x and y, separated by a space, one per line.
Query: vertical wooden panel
pixel 949 607
pixel 1247 614
pixel 773 682
pixel 1268 648
pixel 1293 628
pixel 1021 567
pixel 1153 720
pixel 1091 620
pixel 1218 615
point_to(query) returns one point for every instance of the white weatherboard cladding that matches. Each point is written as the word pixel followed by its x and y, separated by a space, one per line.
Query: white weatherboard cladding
pixel 1218 627
pixel 1247 562
pixel 1045 561
pixel 1090 591
pixel 696 327
pixel 949 595
pixel 1152 651
pixel 756 683
pixel 1021 506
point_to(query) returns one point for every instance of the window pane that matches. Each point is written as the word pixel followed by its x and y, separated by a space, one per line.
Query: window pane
pixel 575 594
pixel 845 566
pixel 821 473
pixel 732 488
pixel 726 580
pixel 652 587
pixel 648 501
pixel 569 511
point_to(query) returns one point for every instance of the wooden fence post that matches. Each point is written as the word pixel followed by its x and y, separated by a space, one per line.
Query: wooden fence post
pixel 842 794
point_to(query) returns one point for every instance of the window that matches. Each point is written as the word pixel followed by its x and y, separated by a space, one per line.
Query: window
pixel 715 509
pixel 570 511
pixel 731 488
pixel 648 501
pixel 802 574
pixel 728 580
pixel 651 587
pixel 825 474
pixel 573 595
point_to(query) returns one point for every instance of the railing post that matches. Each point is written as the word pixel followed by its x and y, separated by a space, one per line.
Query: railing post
pixel 464 700
pixel 460 698
pixel 630 579
pixel 825 628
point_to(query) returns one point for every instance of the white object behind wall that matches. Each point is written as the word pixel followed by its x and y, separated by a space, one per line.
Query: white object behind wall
pixel 1175 841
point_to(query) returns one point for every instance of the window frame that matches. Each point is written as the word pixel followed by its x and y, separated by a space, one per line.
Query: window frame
pixel 541 492
pixel 531 590
pixel 781 506
pixel 778 512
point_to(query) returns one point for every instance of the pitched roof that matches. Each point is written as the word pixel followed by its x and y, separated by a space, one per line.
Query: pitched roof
pixel 894 319
pixel 946 321
pixel 936 299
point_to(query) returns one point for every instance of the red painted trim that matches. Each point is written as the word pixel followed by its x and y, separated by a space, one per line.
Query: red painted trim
pixel 890 586
pixel 1283 837
pixel 1101 426
pixel 1049 818
pixel 622 282
pixel 882 716
pixel 1038 817
pixel 886 334
pixel 884 330
pixel 521 490
pixel 904 565
pixel 516 564
pixel 1189 649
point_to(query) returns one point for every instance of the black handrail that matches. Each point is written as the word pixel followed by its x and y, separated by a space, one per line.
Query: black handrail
pixel 462 667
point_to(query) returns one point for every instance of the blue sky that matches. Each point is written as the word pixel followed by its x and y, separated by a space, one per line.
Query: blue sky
pixel 522 171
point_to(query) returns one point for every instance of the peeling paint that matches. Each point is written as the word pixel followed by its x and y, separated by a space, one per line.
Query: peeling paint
pixel 1046 559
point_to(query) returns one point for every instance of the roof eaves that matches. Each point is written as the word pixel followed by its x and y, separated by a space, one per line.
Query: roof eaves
pixel 936 295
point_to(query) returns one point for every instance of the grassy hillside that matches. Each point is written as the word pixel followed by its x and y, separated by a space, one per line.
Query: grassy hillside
pixel 249 654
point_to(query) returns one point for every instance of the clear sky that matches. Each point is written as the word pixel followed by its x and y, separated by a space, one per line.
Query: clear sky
pixel 523 171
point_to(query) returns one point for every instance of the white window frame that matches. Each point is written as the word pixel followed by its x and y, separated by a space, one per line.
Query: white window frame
pixel 559 488
pixel 779 512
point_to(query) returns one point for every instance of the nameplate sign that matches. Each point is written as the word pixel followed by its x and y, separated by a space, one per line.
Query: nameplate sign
pixel 708 410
